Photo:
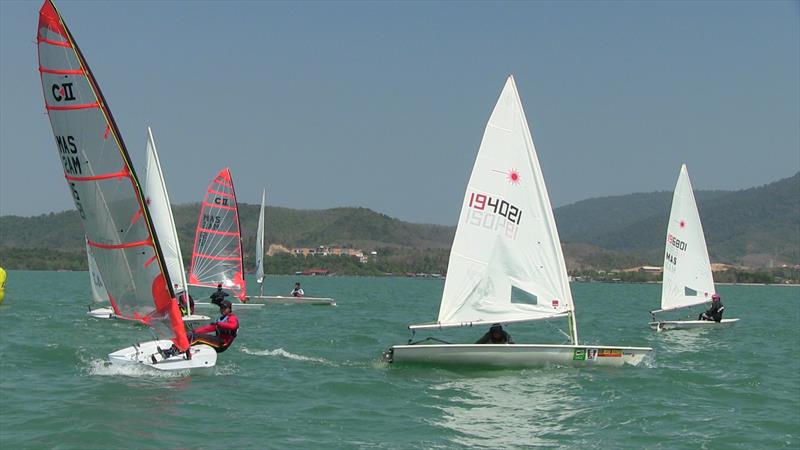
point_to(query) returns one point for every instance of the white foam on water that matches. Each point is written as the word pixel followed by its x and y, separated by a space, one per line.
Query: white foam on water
pixel 104 368
pixel 284 354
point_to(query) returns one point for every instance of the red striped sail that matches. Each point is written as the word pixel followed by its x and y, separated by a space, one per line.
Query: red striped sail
pixel 103 184
pixel 217 253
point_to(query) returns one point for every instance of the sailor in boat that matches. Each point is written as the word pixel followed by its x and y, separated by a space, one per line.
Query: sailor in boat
pixel 715 311
pixel 186 307
pixel 495 335
pixel 224 329
pixel 218 296
pixel 297 291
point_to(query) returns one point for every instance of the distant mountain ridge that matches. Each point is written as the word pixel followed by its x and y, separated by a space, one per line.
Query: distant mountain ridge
pixel 754 227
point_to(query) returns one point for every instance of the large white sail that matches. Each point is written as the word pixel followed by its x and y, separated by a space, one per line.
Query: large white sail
pixel 155 191
pixel 687 271
pixel 260 243
pixel 103 183
pixel 506 239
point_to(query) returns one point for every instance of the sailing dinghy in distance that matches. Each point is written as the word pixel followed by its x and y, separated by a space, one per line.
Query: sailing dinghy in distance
pixel 688 280
pixel 108 197
pixel 217 253
pixel 157 198
pixel 506 239
pixel 99 294
pixel 276 299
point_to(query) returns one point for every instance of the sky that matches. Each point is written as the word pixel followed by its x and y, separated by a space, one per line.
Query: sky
pixel 383 104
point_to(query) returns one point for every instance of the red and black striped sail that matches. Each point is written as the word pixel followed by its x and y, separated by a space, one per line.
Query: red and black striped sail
pixel 103 184
pixel 217 253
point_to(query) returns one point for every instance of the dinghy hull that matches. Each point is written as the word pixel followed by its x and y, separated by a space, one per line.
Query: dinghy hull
pixel 101 313
pixel 281 300
pixel 146 353
pixel 517 355
pixel 664 325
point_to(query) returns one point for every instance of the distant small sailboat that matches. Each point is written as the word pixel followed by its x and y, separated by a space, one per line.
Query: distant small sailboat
pixel 108 197
pixel 688 280
pixel 99 293
pixel 217 254
pixel 276 299
pixel 157 198
pixel 506 241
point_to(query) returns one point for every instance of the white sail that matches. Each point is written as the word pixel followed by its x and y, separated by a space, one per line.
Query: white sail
pixel 155 191
pixel 260 243
pixel 687 270
pixel 506 238
pixel 99 293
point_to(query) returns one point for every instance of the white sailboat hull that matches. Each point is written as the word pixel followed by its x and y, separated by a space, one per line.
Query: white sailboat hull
pixel 285 300
pixel 196 318
pixel 236 306
pixel 517 355
pixel 101 313
pixel 663 325
pixel 147 354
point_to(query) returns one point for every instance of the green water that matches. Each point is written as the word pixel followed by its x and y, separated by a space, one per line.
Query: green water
pixel 310 376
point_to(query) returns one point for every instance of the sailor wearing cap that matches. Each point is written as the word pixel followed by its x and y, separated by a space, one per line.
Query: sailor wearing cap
pixel 224 329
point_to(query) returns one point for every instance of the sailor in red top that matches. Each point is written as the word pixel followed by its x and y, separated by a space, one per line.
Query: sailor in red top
pixel 224 329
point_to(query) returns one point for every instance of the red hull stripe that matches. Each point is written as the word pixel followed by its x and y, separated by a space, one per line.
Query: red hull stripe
pixel 120 246
pixel 52 42
pixel 214 205
pixel 223 233
pixel 71 107
pixel 62 72
pixel 215 258
pixel 107 176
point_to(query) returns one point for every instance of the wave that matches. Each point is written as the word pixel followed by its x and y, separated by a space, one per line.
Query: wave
pixel 284 354
pixel 104 368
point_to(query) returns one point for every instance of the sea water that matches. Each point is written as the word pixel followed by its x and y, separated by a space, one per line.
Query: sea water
pixel 303 376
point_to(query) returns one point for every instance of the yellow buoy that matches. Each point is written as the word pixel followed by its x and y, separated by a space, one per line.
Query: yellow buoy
pixel 2 284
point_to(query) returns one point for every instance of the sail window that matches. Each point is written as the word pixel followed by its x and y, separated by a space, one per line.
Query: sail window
pixel 520 296
pixel 689 292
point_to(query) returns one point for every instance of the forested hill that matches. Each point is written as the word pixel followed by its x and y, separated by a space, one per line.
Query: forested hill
pixel 354 227
pixel 753 227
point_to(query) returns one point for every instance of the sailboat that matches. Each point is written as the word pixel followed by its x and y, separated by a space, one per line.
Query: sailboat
pixel 99 293
pixel 217 253
pixel 108 197
pixel 506 264
pixel 276 299
pixel 687 269
pixel 157 198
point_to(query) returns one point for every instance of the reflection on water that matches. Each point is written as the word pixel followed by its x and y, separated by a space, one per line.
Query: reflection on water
pixel 526 408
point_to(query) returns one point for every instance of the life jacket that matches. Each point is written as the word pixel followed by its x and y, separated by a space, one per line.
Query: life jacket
pixel 223 331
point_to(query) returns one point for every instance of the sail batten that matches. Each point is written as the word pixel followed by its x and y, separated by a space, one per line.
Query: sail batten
pixel 107 198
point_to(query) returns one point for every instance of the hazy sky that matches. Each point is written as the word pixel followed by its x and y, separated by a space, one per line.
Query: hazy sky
pixel 383 104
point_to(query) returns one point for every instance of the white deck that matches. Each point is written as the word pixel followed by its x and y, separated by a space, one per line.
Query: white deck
pixel 517 355
pixel 146 353
pixel 101 313
pixel 282 300
pixel 236 306
pixel 663 325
